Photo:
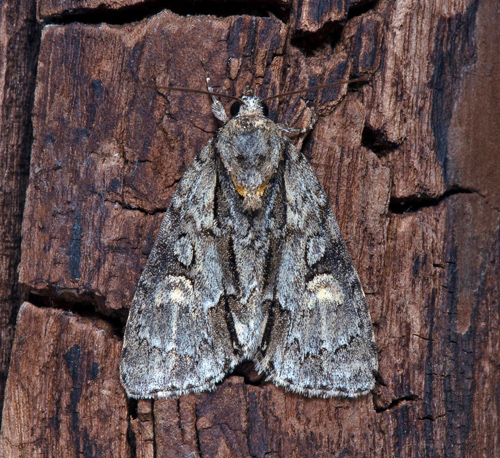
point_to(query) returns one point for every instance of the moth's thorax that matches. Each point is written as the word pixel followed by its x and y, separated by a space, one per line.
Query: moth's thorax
pixel 250 147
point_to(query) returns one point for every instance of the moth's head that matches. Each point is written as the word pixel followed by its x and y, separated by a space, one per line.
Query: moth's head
pixel 250 105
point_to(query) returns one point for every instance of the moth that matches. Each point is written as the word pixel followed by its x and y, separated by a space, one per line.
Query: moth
pixel 249 264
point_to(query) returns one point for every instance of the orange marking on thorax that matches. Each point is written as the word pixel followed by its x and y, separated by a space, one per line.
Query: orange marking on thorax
pixel 243 191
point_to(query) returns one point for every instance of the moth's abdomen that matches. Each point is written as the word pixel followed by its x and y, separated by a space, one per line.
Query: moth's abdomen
pixel 249 242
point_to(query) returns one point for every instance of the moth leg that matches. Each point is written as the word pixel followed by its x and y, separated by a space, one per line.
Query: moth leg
pixel 219 111
pixel 292 131
pixel 217 107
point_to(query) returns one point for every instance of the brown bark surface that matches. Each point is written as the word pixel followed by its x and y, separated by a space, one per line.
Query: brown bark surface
pixel 73 404
pixel 411 164
pixel 19 44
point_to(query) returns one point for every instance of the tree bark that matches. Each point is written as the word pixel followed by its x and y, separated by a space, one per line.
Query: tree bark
pixel 19 45
pixel 410 163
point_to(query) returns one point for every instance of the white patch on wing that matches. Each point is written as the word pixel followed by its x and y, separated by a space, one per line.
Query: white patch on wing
pixel 326 295
pixel 173 289
pixel 325 289
pixel 177 295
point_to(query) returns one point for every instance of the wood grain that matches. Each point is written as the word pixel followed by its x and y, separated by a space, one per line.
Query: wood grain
pixel 19 44
pixel 63 395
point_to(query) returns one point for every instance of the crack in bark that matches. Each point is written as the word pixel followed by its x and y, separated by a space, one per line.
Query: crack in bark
pixel 422 337
pixel 376 140
pixel 179 422
pixel 309 43
pixel 210 132
pixel 131 438
pixel 135 13
pixel 416 202
pixel 86 305
pixel 198 440
pixel 331 32
pixel 431 417
pixel 152 212
pixel 130 207
pixel 153 419
pixel 21 42
pixel 396 401
pixel 361 7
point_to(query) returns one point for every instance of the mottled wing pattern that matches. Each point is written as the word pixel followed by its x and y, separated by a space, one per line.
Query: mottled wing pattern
pixel 321 340
pixel 176 339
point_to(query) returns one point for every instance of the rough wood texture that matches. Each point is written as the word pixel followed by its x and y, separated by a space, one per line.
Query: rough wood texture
pixel 313 15
pixel 63 389
pixel 122 11
pixel 19 43
pixel 410 162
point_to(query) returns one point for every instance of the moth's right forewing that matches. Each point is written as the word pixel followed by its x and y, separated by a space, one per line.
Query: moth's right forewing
pixel 321 340
pixel 176 340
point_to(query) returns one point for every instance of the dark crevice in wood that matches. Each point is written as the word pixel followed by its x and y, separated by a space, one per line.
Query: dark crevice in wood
pixel 153 419
pixel 138 12
pixel 131 437
pixel 310 43
pixel 247 370
pixel 152 212
pixel 431 417
pixel 375 140
pixel 126 206
pixel 308 144
pixel 358 8
pixel 416 202
pixel 395 402
pixel 85 305
pixel 132 408
pixel 132 442
pixel 197 432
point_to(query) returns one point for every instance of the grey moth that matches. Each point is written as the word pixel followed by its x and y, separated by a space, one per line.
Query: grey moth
pixel 249 264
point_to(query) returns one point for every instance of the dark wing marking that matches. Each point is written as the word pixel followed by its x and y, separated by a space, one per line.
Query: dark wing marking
pixel 177 340
pixel 321 341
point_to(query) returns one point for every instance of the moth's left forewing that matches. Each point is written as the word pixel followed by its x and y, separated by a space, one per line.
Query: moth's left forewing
pixel 176 340
pixel 321 341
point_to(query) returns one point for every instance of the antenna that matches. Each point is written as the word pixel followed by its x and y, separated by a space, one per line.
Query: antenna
pixel 284 94
pixel 315 88
pixel 196 91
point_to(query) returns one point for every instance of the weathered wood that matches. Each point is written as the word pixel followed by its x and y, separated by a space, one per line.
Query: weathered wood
pixel 57 8
pixel 411 165
pixel 122 11
pixel 63 395
pixel 141 434
pixel 473 134
pixel 314 15
pixel 19 43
